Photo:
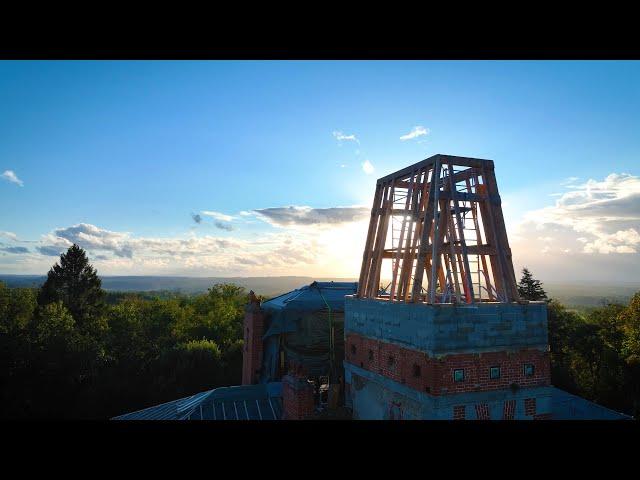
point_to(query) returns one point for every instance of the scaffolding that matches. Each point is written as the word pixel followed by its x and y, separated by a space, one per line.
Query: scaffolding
pixel 440 218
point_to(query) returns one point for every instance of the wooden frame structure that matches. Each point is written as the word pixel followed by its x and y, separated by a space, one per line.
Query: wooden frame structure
pixel 440 217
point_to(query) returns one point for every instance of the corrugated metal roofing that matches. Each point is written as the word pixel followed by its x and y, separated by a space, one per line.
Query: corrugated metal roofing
pixel 566 406
pixel 241 402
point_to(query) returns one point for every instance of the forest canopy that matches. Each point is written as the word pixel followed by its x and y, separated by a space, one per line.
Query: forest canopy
pixel 71 350
pixel 69 353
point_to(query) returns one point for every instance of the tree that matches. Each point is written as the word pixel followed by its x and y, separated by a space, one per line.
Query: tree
pixel 55 325
pixel 76 284
pixel 529 288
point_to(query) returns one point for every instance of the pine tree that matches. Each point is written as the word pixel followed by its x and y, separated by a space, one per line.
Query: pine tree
pixel 529 288
pixel 76 284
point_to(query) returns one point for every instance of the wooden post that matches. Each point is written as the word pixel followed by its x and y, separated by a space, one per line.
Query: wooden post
pixel 456 208
pixel 404 223
pixel 429 218
pixel 366 256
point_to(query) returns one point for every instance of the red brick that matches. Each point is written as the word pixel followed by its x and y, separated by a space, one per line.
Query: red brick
pixel 252 355
pixel 459 412
pixel 436 375
pixel 297 395
pixel 530 406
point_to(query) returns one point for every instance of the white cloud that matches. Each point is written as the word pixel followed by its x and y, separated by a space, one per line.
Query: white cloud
pixel 343 137
pixel 569 181
pixel 311 244
pixel 10 235
pixel 367 167
pixel 90 236
pixel 307 216
pixel 321 242
pixel 217 215
pixel 414 133
pixel 605 213
pixel 622 241
pixel 10 176
pixel 591 231
pixel 245 213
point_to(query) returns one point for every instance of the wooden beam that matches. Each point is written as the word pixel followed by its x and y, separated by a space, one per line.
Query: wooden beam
pixel 452 255
pixel 409 258
pixel 464 197
pixel 465 253
pixel 497 260
pixel 471 250
pixel 485 270
pixel 366 255
pixel 381 237
pixel 429 217
pixel 457 178
pixel 396 264
pixel 431 161
pixel 503 246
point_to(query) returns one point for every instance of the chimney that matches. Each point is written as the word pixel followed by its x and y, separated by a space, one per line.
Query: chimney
pixel 253 331
pixel 297 394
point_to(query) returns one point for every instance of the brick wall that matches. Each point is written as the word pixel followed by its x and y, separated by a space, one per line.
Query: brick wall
pixel 252 354
pixel 509 410
pixel 435 376
pixel 459 412
pixel 482 411
pixel 530 406
pixel 297 395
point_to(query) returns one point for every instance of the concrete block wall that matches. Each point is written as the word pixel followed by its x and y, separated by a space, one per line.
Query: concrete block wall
pixel 443 329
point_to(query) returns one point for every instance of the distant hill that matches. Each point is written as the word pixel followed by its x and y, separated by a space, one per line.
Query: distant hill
pixel 589 294
pixel 578 294
pixel 268 286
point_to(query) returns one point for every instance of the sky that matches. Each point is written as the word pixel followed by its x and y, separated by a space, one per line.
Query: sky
pixel 254 168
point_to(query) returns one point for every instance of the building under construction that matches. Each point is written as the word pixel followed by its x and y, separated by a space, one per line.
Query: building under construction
pixel 434 328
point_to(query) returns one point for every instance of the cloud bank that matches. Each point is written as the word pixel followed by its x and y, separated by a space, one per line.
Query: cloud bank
pixel 305 241
pixel 591 232
pixel 294 215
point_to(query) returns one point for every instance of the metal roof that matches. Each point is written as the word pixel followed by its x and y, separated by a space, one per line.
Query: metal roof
pixel 313 296
pixel 566 406
pixel 241 402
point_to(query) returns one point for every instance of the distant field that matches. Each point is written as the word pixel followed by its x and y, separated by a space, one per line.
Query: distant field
pixel 579 295
pixel 267 286
pixel 588 295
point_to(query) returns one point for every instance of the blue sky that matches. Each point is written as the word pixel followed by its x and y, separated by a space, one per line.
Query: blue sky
pixel 134 149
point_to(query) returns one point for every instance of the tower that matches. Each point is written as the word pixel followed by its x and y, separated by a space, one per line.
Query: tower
pixel 437 329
